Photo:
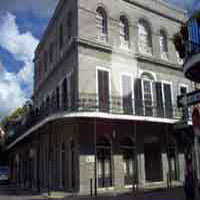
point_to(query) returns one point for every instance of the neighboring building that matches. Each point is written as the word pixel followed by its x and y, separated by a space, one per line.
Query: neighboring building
pixel 106 80
pixel 191 52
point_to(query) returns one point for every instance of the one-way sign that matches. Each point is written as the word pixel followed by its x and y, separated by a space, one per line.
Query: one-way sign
pixel 188 99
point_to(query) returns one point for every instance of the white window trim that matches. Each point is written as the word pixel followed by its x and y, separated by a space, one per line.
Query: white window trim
pixel 110 85
pixel 132 87
pixel 153 74
pixel 124 44
pixel 172 92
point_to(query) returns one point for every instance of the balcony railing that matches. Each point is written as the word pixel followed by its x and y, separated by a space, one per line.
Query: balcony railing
pixel 91 103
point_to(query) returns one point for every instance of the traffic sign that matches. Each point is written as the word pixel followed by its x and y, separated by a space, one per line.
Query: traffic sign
pixel 188 99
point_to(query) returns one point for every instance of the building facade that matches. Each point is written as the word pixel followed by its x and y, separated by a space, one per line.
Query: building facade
pixel 104 105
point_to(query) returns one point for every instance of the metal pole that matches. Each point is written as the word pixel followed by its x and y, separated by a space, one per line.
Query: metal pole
pixel 95 160
pixel 49 162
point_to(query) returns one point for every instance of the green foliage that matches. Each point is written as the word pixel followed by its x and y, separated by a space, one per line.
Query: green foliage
pixel 16 115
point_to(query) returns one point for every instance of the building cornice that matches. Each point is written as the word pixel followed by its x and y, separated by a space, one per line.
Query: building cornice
pixel 107 48
pixel 133 2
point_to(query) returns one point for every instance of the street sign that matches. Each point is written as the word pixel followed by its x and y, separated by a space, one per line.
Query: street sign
pixel 188 99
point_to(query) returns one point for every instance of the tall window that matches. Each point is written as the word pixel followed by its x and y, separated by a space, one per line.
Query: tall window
pixel 45 61
pixel 58 97
pixel 69 25
pixel 179 60
pixel 127 94
pixel 101 20
pixel 124 31
pixel 103 90
pixel 145 37
pixel 163 45
pixel 61 36
pixel 147 81
pixel 64 94
pixel 51 52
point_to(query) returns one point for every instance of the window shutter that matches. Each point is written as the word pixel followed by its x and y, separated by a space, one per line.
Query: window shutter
pixel 168 100
pixel 127 95
pixel 159 99
pixel 138 97
pixel 103 90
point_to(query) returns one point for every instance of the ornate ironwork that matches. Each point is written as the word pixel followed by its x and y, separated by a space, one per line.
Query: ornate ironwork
pixel 90 103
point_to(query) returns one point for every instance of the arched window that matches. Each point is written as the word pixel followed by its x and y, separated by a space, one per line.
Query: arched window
pixel 163 45
pixel 179 60
pixel 101 20
pixel 145 37
pixel 104 164
pixel 124 31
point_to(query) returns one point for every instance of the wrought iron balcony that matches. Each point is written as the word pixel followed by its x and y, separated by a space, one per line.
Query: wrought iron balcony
pixel 187 43
pixel 91 103
pixel 191 65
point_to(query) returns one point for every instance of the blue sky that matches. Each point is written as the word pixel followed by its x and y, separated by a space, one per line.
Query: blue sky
pixel 22 23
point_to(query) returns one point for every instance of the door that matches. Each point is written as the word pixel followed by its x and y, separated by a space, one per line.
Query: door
pixel 153 163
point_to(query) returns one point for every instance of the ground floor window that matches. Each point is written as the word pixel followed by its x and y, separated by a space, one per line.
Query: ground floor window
pixel 129 161
pixel 104 164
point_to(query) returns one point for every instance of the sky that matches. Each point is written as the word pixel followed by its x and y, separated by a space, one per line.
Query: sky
pixel 22 24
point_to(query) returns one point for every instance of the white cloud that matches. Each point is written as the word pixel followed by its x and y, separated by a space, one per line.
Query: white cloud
pixel 41 8
pixel 21 46
pixel 11 94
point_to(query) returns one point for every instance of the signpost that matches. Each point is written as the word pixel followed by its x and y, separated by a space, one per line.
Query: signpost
pixel 188 99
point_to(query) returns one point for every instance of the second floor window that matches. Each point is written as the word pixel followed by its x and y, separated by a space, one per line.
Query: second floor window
pixel 145 38
pixel 45 61
pixel 69 25
pixel 51 53
pixel 163 45
pixel 101 20
pixel 64 94
pixel 61 36
pixel 58 97
pixel 124 31
pixel 103 90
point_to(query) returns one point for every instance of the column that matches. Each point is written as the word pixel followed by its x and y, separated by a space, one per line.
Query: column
pixel 141 169
pixel 165 166
pixel 181 159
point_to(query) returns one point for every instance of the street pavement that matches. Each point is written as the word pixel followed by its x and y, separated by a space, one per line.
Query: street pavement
pixel 10 192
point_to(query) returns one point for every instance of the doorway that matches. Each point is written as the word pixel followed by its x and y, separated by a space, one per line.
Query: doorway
pixel 153 162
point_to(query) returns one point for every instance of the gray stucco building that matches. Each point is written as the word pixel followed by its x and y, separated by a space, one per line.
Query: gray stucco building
pixel 105 86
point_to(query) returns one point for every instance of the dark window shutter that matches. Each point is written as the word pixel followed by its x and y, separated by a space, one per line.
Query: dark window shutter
pixel 64 93
pixel 138 97
pixel 103 90
pixel 168 101
pixel 127 95
pixel 57 97
pixel 185 111
pixel 159 99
